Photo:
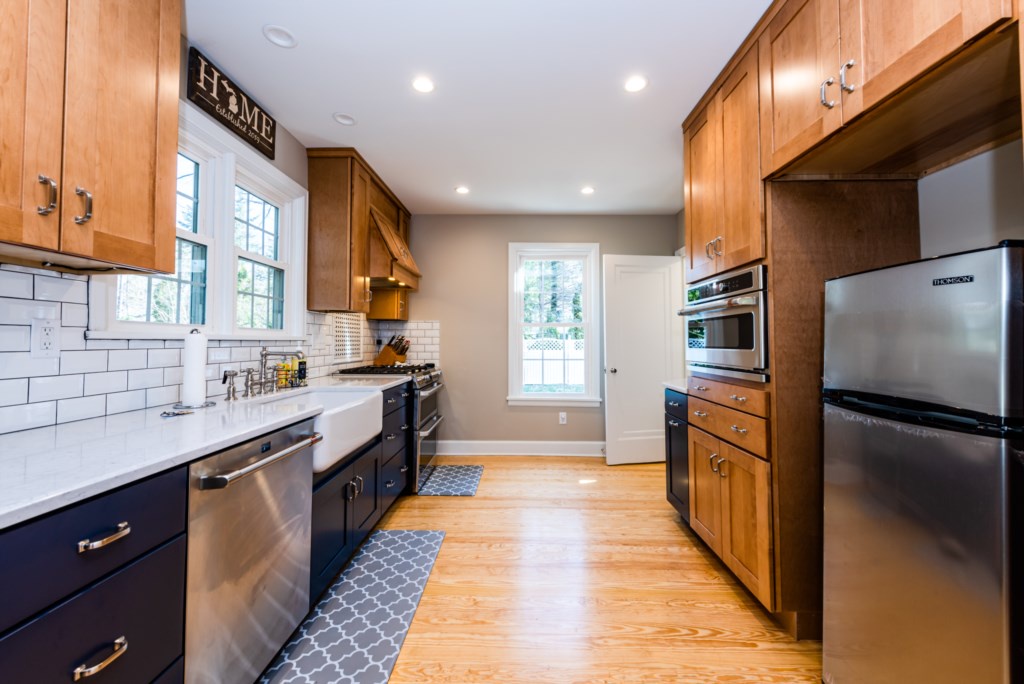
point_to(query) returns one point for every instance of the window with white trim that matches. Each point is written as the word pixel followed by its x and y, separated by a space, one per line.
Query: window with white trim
pixel 240 250
pixel 553 350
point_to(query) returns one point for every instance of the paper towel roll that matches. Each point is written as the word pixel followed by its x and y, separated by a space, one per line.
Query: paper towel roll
pixel 193 358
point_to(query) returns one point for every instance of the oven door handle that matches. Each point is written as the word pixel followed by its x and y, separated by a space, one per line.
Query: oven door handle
pixel 431 392
pixel 423 434
pixel 734 303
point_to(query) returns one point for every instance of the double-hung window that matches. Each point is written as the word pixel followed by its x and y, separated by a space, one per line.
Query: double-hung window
pixel 553 349
pixel 239 253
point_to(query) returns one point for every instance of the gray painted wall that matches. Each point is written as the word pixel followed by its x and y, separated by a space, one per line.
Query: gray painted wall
pixel 975 203
pixel 464 260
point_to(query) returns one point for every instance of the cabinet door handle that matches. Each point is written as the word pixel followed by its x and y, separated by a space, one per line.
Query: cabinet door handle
pixel 405 395
pixel 391 437
pixel 825 102
pixel 701 414
pixel 49 208
pixel 700 388
pixel 711 462
pixel 674 403
pixel 846 87
pixel 721 468
pixel 362 483
pixel 369 295
pixel 707 251
pixel 82 192
pixel 350 490
pixel 389 484
pixel 404 428
pixel 123 530
pixel 737 428
pixel 83 671
pixel 673 423
pixel 404 469
pixel 392 400
pixel 717 242
pixel 739 399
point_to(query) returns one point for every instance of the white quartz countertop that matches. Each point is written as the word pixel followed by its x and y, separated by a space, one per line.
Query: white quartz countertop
pixel 677 384
pixel 45 469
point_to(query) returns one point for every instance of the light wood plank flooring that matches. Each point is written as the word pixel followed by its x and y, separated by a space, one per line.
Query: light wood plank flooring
pixel 566 570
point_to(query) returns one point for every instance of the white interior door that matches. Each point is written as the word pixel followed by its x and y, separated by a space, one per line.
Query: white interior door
pixel 643 347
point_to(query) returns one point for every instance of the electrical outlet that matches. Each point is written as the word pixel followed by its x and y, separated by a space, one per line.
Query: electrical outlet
pixel 45 342
pixel 563 418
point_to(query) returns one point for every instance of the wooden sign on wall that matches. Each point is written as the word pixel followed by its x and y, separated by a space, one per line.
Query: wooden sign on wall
pixel 222 99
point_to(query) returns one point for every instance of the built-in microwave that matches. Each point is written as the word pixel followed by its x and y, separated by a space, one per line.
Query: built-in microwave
pixel 727 326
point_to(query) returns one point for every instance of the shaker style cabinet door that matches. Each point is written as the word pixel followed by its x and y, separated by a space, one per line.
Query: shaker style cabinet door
pixel 121 131
pixel 31 112
pixel 746 520
pixel 886 44
pixel 702 187
pixel 799 53
pixel 705 491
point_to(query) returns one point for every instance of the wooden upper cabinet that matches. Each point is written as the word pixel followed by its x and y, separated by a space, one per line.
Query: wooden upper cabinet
pixel 723 189
pixel 93 86
pixel 746 520
pixel 886 44
pixel 389 305
pixel 799 54
pixel 359 243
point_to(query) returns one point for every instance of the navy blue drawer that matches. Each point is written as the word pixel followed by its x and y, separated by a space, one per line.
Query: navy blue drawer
pixel 175 674
pixel 393 478
pixel 143 604
pixel 395 432
pixel 396 397
pixel 42 564
pixel 675 404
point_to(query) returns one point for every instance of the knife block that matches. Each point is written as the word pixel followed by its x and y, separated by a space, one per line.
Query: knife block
pixel 386 357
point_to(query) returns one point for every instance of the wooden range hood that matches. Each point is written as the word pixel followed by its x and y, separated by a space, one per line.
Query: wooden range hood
pixel 391 263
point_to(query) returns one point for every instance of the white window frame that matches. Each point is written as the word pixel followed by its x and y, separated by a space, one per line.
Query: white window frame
pixel 518 252
pixel 224 162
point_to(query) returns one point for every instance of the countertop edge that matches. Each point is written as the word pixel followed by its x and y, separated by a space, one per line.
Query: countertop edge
pixel 677 384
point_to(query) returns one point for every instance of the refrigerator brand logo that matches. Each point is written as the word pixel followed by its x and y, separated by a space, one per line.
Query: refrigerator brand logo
pixel 222 99
pixel 955 280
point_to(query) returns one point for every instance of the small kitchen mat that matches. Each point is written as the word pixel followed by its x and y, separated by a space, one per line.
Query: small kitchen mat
pixel 451 480
pixel 355 633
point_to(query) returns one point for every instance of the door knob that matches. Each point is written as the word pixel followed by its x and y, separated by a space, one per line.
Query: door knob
pixel 613 370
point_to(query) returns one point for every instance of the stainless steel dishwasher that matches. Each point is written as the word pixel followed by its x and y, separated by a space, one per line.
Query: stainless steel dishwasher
pixel 247 588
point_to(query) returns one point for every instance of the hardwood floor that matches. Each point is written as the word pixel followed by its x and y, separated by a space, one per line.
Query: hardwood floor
pixel 566 570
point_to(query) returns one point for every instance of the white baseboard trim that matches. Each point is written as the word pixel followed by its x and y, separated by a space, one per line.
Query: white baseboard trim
pixel 469 447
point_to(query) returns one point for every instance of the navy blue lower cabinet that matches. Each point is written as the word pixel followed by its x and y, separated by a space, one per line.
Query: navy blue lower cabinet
pixel 125 629
pixel 44 560
pixel 175 674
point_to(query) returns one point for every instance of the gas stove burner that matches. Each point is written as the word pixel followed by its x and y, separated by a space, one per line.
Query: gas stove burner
pixel 396 369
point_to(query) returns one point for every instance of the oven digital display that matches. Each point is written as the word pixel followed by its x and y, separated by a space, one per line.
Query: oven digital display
pixel 722 332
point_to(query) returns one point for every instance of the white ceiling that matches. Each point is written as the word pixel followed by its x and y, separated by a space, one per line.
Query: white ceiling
pixel 529 105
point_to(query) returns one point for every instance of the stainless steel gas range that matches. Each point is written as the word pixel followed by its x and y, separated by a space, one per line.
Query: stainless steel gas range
pixel 427 382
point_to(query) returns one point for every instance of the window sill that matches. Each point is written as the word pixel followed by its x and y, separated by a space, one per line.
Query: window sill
pixel 579 402
pixel 181 333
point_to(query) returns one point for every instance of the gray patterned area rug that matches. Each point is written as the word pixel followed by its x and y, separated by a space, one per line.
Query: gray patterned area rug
pixel 451 480
pixel 355 633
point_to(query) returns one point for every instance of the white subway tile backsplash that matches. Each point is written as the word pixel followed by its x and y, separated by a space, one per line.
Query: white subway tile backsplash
pixel 74 314
pixel 106 344
pixel 54 387
pixel 126 401
pixel 25 269
pixel 22 365
pixel 22 311
pixel 15 337
pixel 127 359
pixel 158 396
pixel 161 358
pixel 145 344
pixel 241 353
pixel 143 379
pixel 83 362
pixel 106 383
pixel 13 391
pixel 16 284
pixel 218 355
pixel 27 416
pixel 61 290
pixel 72 339
pixel 172 376
pixel 81 408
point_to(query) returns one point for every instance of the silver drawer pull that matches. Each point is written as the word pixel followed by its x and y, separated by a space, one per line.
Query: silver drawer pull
pixel 404 427
pixel 741 400
pixel 737 428
pixel 84 218
pixel 405 395
pixel 391 437
pixel 389 484
pixel 673 423
pixel 83 671
pixel 123 530
pixel 701 388
pixel 674 403
pixel 404 469
pixel 392 400
pixel 701 414
pixel 52 205
pixel 360 482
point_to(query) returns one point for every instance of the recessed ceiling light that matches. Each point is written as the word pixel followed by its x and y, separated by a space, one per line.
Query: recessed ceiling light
pixel 423 84
pixel 279 36
pixel 587 190
pixel 634 84
pixel 344 119
pixel 462 190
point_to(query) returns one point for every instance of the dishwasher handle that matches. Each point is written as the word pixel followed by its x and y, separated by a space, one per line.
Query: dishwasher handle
pixel 222 481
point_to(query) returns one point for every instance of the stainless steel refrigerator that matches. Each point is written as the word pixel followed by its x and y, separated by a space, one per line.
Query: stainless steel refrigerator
pixel 924 473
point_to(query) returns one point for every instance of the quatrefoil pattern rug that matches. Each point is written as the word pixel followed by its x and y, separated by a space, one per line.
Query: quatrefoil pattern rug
pixel 355 633
pixel 451 480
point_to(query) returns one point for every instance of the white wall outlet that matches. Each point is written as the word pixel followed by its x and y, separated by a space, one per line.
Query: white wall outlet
pixel 563 418
pixel 45 339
